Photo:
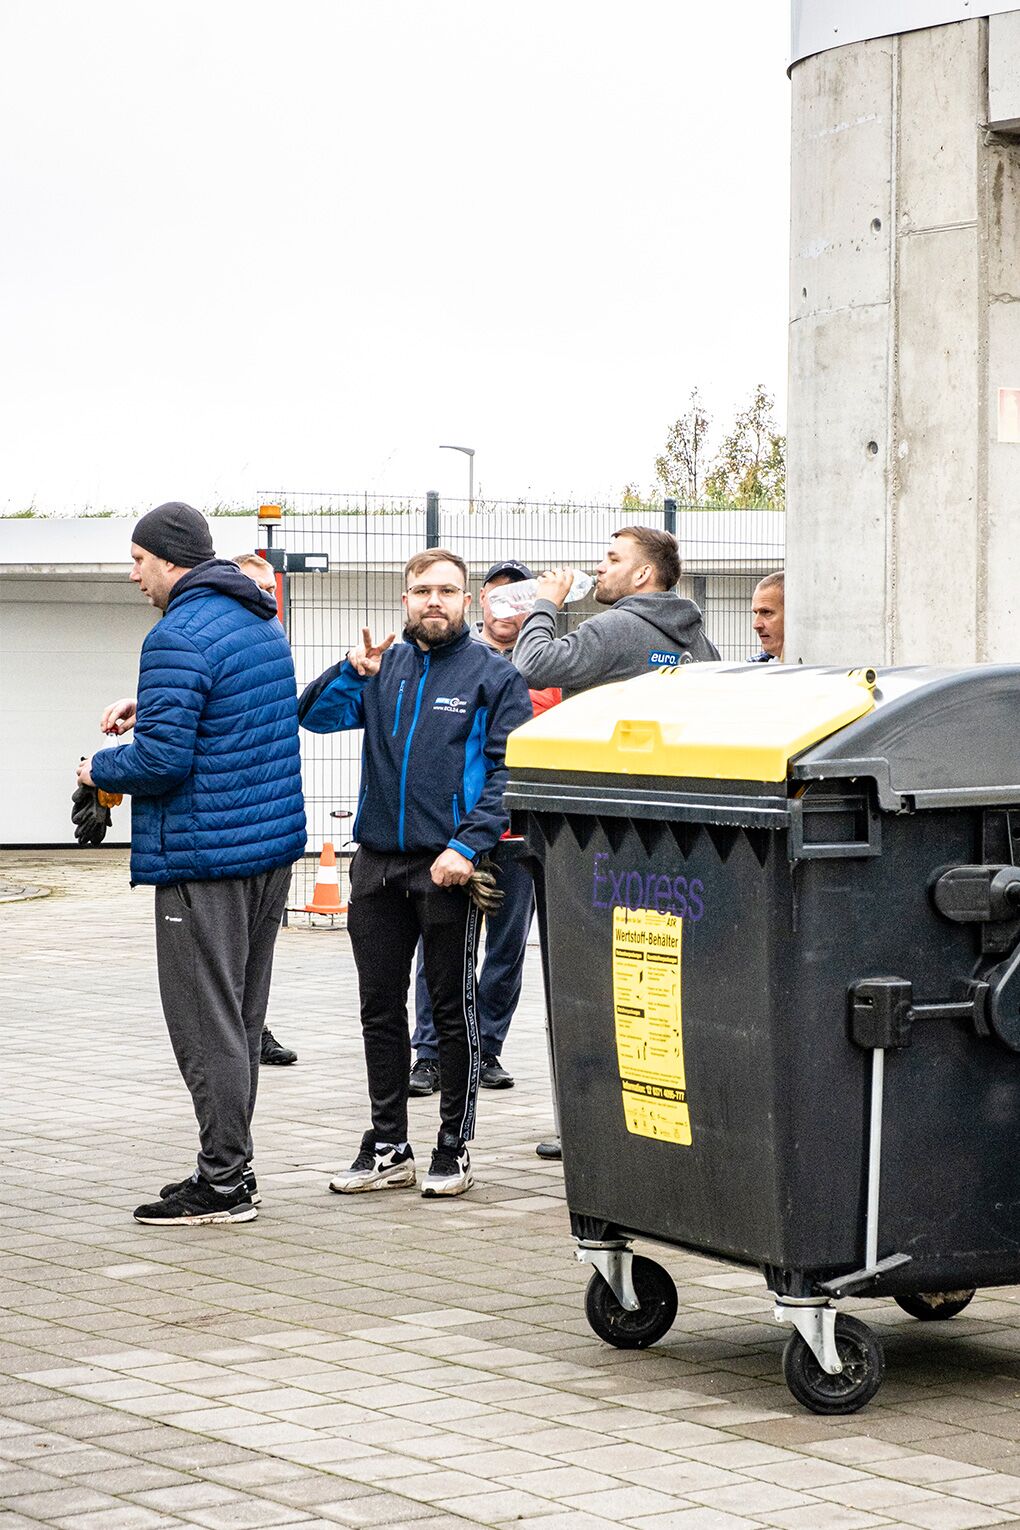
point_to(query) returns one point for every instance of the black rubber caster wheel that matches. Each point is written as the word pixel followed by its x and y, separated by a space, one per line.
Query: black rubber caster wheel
pixel 934 1306
pixel 857 1383
pixel 654 1289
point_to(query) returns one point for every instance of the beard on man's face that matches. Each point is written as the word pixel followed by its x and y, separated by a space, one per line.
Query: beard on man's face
pixel 433 631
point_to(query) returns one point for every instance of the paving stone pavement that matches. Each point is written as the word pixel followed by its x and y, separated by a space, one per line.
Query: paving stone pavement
pixel 382 1360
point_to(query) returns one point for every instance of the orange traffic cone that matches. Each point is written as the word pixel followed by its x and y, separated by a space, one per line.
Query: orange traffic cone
pixel 326 892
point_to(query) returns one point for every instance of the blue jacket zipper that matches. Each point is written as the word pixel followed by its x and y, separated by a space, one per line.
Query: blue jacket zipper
pixel 396 710
pixel 407 750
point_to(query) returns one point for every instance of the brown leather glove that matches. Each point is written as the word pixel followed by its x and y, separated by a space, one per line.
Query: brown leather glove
pixel 482 888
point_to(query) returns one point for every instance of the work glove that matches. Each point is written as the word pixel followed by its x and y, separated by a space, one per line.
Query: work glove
pixel 90 814
pixel 482 889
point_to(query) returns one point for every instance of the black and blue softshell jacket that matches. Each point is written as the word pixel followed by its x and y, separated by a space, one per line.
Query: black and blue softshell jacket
pixel 436 723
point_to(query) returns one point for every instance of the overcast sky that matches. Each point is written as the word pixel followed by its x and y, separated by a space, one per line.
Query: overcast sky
pixel 253 246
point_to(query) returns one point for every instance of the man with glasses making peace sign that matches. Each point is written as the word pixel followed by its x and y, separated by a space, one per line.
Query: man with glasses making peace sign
pixel 436 710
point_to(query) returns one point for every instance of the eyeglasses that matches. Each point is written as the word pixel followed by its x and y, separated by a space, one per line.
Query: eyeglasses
pixel 444 591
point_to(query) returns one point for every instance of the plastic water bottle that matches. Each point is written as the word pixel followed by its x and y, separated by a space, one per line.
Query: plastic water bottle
pixel 513 599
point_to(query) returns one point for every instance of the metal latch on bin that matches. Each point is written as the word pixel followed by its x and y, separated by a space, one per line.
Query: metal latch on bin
pixel 883 1012
pixel 978 894
pixel 988 895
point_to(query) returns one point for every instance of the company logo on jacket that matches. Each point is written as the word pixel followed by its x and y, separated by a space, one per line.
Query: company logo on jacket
pixel 450 704
pixel 663 659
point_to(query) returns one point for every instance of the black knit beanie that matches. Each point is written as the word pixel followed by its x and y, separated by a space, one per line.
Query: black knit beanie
pixel 177 533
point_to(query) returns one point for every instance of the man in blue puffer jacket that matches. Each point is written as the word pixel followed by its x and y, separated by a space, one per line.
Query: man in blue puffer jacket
pixel 217 820
pixel 436 710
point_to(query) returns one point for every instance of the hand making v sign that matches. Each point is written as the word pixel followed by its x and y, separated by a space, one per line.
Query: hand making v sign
pixel 367 657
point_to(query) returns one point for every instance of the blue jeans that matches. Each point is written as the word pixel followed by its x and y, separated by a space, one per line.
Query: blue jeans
pixel 499 984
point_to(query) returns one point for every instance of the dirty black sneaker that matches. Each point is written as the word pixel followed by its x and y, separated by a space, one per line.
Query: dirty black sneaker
pixel 272 1052
pixel 248 1179
pixel 550 1148
pixel 196 1204
pixel 450 1170
pixel 492 1075
pixel 424 1076
pixel 382 1167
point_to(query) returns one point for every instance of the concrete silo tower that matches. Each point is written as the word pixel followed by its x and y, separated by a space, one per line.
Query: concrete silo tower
pixel 904 411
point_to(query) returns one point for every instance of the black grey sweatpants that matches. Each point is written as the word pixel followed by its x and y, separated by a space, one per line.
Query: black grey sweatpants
pixel 214 954
pixel 393 903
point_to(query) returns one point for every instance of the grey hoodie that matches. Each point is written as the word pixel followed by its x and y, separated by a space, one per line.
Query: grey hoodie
pixel 638 633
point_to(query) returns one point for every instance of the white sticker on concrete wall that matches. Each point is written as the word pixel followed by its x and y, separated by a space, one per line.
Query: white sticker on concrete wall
pixel 1009 415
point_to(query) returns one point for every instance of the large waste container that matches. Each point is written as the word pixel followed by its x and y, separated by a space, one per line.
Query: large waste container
pixel 782 911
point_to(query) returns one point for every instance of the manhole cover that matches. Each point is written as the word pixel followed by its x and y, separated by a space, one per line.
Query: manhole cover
pixel 15 892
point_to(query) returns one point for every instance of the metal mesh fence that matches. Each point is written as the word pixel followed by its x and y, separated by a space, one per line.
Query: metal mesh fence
pixel 367 540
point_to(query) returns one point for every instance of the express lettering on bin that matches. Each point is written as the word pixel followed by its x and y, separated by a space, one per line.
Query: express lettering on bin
pixel 661 891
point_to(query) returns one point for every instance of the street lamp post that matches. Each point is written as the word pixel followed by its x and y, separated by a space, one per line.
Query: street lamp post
pixel 469 453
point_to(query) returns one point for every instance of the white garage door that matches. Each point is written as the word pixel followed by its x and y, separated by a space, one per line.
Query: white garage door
pixel 67 648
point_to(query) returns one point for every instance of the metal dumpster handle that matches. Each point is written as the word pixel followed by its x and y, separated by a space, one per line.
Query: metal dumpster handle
pixel 978 894
pixel 883 1012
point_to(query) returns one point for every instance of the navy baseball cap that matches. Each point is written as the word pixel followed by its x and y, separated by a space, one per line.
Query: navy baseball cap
pixel 513 570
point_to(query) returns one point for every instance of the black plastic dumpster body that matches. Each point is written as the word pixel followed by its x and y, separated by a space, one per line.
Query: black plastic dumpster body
pixel 777 934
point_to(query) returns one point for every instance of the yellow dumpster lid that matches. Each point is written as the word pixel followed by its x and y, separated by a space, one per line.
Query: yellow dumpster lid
pixel 726 722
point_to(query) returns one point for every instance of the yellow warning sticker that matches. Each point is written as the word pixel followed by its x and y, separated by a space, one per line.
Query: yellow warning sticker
pixel 646 1012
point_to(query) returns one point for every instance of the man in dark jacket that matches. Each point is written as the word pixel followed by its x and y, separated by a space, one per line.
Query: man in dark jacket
pixel 436 710
pixel 648 626
pixel 217 820
pixel 506 934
